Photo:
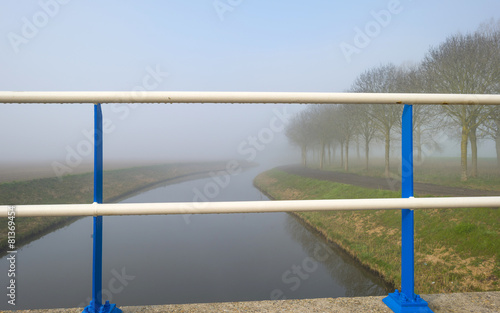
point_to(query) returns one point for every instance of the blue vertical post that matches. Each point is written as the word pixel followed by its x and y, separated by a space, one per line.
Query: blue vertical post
pixel 96 305
pixel 407 301
pixel 407 244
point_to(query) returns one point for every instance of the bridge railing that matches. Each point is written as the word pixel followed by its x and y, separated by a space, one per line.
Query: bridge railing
pixel 404 301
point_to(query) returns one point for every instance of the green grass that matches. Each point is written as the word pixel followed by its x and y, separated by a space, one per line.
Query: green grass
pixel 440 171
pixel 456 250
pixel 79 189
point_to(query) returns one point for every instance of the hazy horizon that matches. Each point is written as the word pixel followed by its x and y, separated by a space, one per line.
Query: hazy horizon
pixel 54 45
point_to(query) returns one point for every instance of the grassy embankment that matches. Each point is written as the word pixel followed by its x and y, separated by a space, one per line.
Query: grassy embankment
pixel 440 171
pixel 79 189
pixel 456 250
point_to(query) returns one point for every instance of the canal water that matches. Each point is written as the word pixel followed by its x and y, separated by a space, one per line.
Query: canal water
pixel 188 258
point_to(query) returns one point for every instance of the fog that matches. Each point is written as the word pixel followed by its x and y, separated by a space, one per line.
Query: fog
pixel 147 133
pixel 179 45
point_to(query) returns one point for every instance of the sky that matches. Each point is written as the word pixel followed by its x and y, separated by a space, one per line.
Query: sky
pixel 198 45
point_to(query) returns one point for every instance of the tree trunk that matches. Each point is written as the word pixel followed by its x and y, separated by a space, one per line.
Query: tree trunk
pixel 346 163
pixel 341 154
pixel 418 144
pixel 497 142
pixel 329 154
pixel 497 146
pixel 463 154
pixel 473 148
pixel 357 149
pixel 367 152
pixel 304 155
pixel 387 151
pixel 322 156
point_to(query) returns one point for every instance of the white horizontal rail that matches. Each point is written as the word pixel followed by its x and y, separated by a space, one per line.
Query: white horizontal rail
pixel 241 97
pixel 248 206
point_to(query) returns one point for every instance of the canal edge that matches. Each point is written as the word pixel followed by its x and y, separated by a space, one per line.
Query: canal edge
pixel 334 244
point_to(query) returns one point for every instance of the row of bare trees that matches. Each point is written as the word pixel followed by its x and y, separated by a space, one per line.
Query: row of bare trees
pixel 462 64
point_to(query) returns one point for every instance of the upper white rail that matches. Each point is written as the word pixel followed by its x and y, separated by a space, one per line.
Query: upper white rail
pixel 241 97
pixel 249 206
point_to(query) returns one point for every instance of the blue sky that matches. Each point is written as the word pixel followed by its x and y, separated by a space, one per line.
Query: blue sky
pixel 259 45
pixel 226 45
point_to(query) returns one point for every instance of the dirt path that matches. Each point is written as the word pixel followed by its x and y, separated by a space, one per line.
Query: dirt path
pixel 421 189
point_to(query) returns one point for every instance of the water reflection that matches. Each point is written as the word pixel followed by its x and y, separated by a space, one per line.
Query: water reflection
pixel 168 259
pixel 352 276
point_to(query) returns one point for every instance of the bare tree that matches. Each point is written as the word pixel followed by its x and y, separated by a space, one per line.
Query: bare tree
pixel 463 64
pixel 314 129
pixel 300 132
pixel 381 79
pixel 491 127
pixel 325 126
pixel 366 128
pixel 428 120
pixel 346 128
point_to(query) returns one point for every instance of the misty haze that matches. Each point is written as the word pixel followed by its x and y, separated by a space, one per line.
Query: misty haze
pixel 189 155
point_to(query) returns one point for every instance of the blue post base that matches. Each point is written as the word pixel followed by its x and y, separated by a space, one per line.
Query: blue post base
pixel 106 308
pixel 399 303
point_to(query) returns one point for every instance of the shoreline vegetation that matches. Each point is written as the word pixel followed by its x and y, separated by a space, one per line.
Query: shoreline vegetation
pixel 442 171
pixel 118 184
pixel 456 250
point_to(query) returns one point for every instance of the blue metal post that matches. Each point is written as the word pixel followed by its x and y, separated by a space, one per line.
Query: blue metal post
pixel 96 305
pixel 407 301
pixel 407 244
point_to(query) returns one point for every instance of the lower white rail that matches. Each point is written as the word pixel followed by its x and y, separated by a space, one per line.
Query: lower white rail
pixel 248 206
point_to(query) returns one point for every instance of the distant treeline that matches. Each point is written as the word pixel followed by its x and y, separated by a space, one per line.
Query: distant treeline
pixel 462 64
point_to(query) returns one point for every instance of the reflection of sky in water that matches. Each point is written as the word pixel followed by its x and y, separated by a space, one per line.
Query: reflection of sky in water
pixel 183 259
pixel 351 276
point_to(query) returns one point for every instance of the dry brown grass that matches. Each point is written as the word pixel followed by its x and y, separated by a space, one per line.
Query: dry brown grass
pixel 456 250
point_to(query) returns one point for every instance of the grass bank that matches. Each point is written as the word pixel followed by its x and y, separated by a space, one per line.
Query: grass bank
pixel 435 170
pixel 79 189
pixel 456 250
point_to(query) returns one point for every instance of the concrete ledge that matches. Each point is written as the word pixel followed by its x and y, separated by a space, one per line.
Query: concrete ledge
pixel 477 302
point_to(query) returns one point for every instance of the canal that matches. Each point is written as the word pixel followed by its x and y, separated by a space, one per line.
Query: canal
pixel 188 258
